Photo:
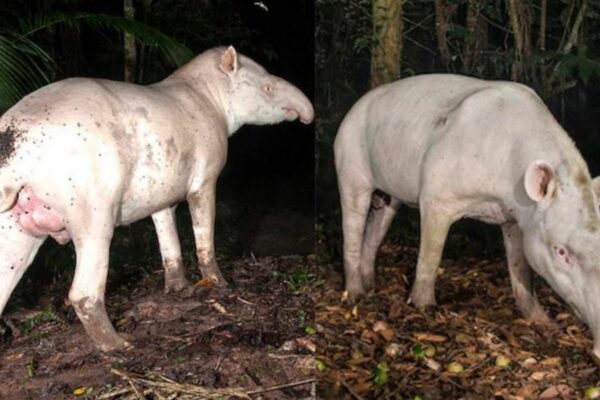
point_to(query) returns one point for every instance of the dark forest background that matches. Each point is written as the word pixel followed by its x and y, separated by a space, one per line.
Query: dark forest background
pixel 265 199
pixel 550 45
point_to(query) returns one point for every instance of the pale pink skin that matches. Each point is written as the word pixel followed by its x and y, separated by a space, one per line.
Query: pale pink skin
pixel 458 147
pixel 37 218
pixel 81 156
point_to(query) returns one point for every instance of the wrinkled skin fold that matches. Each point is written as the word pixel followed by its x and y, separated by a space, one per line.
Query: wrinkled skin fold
pixel 81 156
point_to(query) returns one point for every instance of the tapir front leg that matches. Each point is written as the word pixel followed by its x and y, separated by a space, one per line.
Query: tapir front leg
pixel 202 209
pixel 435 224
pixel 170 250
pixel 520 276
pixel 89 284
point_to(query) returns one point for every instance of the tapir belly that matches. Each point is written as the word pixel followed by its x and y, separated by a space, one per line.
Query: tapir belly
pixel 150 194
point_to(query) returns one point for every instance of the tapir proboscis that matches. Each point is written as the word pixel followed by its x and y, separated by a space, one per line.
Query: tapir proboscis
pixel 81 156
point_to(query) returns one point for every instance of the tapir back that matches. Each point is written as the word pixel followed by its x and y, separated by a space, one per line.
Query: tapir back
pixel 446 127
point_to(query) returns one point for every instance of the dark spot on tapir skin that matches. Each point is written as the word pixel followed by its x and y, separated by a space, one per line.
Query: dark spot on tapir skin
pixel 8 139
pixel 143 111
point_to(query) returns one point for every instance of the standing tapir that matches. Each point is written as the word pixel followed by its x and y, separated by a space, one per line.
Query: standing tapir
pixel 81 156
pixel 458 147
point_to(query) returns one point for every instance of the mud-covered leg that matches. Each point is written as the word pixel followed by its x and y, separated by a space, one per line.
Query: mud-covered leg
pixel 379 220
pixel 87 291
pixel 170 250
pixel 202 208
pixel 435 224
pixel 355 202
pixel 520 276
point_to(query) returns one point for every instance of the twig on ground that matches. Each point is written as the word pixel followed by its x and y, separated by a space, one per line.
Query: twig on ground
pixel 245 301
pixel 352 392
pixel 116 393
pixel 284 386
pixel 188 389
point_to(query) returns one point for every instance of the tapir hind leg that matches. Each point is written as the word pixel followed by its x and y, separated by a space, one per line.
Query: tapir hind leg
pixel 89 283
pixel 17 251
pixel 355 201
pixel 170 250
pixel 378 222
pixel 520 276
pixel 202 209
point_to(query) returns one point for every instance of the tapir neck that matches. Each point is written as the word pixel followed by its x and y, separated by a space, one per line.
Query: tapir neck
pixel 213 89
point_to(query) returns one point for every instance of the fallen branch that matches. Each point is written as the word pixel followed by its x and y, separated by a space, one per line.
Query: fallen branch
pixel 186 389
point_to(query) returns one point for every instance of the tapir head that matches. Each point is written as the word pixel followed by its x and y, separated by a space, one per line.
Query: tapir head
pixel 256 97
pixel 562 237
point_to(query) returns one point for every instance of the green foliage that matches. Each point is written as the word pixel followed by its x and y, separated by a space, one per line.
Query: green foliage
pixel 578 65
pixel 25 66
pixel 30 324
pixel 297 281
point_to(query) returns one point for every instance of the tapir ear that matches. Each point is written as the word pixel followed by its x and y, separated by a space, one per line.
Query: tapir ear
pixel 596 187
pixel 229 61
pixel 540 180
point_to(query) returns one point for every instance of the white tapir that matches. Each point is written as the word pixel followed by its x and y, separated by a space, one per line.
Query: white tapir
pixel 459 147
pixel 81 156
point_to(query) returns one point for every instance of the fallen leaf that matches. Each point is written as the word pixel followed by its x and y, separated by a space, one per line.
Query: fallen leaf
pixel 80 391
pixel 538 375
pixel 555 391
pixel 384 330
pixel 434 365
pixel 393 349
pixel 430 337
pixel 205 282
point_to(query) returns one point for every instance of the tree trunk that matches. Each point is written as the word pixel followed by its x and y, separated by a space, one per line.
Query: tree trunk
pixel 129 45
pixel 146 8
pixel 545 86
pixel 443 13
pixel 387 51
pixel 574 35
pixel 520 21
pixel 472 44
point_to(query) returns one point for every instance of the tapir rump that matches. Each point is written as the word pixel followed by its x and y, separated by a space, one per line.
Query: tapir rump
pixel 458 147
pixel 81 156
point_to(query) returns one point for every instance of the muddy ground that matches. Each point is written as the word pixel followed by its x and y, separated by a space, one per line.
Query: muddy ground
pixel 472 345
pixel 253 336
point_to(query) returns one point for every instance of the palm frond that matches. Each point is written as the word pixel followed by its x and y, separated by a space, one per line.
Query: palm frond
pixel 176 52
pixel 24 67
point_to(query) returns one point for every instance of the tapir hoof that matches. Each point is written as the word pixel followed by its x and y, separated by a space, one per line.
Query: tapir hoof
pixel 542 319
pixel 218 281
pixel 595 355
pixel 117 344
pixel 355 293
pixel 368 282
pixel 421 300
pixel 178 285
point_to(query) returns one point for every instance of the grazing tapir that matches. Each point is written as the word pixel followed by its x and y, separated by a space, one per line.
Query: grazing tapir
pixel 81 156
pixel 459 147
